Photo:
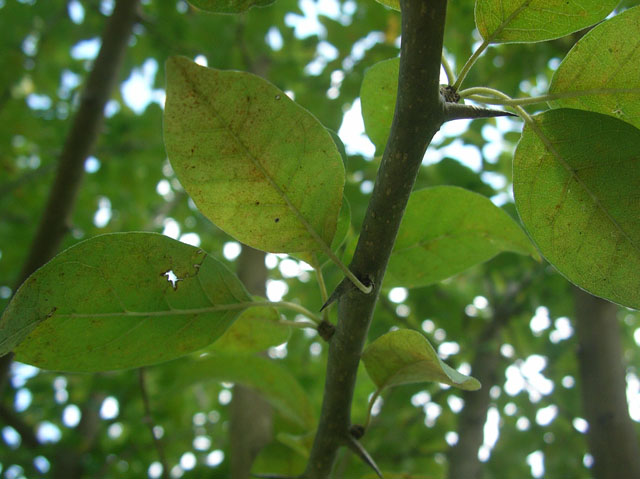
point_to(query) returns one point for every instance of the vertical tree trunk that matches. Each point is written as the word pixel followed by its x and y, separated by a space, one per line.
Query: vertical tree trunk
pixel 463 456
pixel 611 437
pixel 251 416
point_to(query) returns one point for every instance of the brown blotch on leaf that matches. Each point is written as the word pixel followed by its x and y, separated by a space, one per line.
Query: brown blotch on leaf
pixel 277 220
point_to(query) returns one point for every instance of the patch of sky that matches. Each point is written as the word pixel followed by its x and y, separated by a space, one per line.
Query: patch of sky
pixel 30 44
pixel 21 373
pixel 22 400
pixel 110 408
pixel 47 432
pixel 171 228
pixel 276 289
pixel 86 49
pixel 215 458
pixel 106 7
pixel 36 101
pixel 536 463
pixel 527 376
pixel 192 239
pixel 76 11
pixel 273 38
pixel 91 164
pixel 103 214
pixel 71 415
pixel 155 470
pixel 68 82
pixel 633 395
pixel 491 434
pixel 201 60
pixel 41 464
pixel 188 461
pixel 231 250
pixel 137 90
pixel 11 437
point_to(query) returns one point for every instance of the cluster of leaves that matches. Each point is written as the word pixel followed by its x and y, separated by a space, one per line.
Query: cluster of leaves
pixel 269 174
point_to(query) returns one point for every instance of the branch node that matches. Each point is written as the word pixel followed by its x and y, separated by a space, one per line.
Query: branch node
pixel 326 330
pixel 357 431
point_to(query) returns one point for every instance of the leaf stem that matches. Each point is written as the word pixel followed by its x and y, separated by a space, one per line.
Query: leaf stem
pixel 299 324
pixel 467 66
pixel 447 70
pixel 372 401
pixel 503 98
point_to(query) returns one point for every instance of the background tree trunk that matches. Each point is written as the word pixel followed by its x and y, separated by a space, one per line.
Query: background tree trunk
pixel 251 425
pixel 611 437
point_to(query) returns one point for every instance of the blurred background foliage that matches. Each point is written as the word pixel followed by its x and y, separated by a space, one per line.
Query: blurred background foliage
pixel 318 53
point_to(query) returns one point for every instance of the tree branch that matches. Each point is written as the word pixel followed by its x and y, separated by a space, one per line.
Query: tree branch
pixel 418 116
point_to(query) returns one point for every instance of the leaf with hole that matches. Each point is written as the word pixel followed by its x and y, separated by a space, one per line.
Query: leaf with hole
pixel 228 6
pixel 446 230
pixel 255 163
pixel 600 73
pixel 270 379
pixel 405 356
pixel 575 178
pixel 503 21
pixel 120 301
pixel 378 96
pixel 256 329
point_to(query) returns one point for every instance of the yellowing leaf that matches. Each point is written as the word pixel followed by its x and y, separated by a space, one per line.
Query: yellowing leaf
pixel 255 163
pixel 405 356
pixel 601 72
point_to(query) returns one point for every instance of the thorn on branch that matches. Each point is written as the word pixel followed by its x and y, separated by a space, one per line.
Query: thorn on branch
pixel 454 111
pixel 362 453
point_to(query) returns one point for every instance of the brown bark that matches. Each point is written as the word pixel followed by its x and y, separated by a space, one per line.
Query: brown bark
pixel 251 425
pixel 611 437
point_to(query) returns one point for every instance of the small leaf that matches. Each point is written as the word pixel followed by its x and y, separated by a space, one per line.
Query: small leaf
pixel 405 356
pixel 256 329
pixel 255 163
pixel 576 177
pixel 378 96
pixel 228 6
pixel 502 21
pixel 394 4
pixel 602 68
pixel 274 382
pixel 446 230
pixel 120 301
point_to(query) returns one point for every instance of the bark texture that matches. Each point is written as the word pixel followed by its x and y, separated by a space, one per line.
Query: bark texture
pixel 612 439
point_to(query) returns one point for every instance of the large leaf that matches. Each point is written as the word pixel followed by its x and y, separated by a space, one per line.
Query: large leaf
pixel 603 69
pixel 229 6
pixel 255 163
pixel 576 177
pixel 501 21
pixel 273 381
pixel 446 230
pixel 378 96
pixel 107 303
pixel 405 356
pixel 256 329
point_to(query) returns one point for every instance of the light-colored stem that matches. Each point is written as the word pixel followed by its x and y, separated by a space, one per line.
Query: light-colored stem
pixel 447 70
pixel 467 66
pixel 372 401
pixel 497 95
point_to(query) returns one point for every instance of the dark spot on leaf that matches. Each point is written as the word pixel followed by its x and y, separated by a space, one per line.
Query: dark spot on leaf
pixel 257 203
pixel 277 97
pixel 277 219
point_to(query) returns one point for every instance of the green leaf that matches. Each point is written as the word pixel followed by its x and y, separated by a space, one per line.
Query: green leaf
pixel 576 177
pixel 395 4
pixel 503 21
pixel 318 260
pixel 602 68
pixel 378 96
pixel 228 6
pixel 273 381
pixel 405 356
pixel 446 230
pixel 256 329
pixel 259 166
pixel 107 303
